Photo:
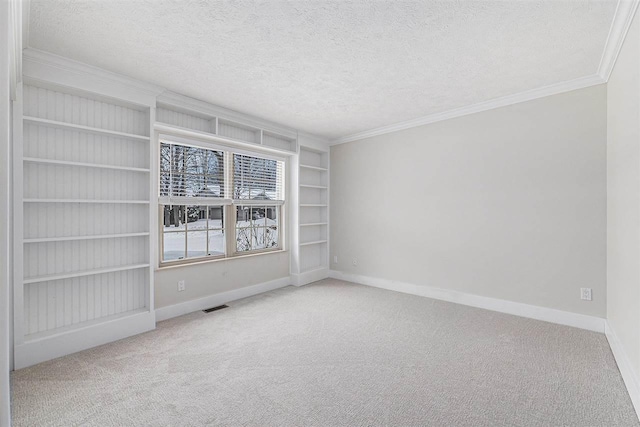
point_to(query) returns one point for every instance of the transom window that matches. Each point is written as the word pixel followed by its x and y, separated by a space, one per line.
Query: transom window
pixel 218 203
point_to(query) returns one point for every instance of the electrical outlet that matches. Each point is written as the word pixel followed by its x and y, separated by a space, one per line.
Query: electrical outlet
pixel 181 286
pixel 354 262
pixel 585 294
pixel 335 259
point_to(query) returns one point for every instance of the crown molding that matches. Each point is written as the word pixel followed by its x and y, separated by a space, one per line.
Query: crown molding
pixel 622 19
pixel 40 66
pixel 504 101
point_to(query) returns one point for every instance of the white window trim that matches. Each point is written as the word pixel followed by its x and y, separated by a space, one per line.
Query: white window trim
pixel 228 205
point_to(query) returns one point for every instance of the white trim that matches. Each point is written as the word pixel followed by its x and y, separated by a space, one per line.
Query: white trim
pixel 552 315
pixel 630 377
pixel 47 67
pixel 193 201
pixel 622 19
pixel 172 133
pixel 311 276
pixel 16 43
pixel 504 101
pixel 61 344
pixel 175 310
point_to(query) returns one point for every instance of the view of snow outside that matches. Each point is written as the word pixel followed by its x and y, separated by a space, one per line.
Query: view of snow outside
pixel 261 233
pixel 198 172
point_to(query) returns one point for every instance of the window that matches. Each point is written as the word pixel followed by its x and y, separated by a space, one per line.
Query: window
pixel 218 203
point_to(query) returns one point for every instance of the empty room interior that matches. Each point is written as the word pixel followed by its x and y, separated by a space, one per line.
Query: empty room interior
pixel 320 213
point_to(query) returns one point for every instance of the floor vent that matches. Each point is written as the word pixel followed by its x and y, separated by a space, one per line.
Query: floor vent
pixel 220 307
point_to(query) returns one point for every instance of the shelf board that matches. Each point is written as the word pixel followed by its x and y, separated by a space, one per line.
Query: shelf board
pixel 81 164
pixel 312 224
pixel 71 126
pixel 320 187
pixel 83 273
pixel 75 238
pixel 317 242
pixel 316 168
pixel 87 323
pixel 132 202
pixel 312 205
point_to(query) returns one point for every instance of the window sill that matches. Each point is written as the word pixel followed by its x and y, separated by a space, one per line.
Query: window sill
pixel 187 263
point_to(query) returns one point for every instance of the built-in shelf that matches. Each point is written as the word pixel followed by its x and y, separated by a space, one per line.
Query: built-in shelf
pixel 313 224
pixel 320 187
pixel 93 272
pixel 81 164
pixel 65 125
pixel 317 242
pixel 215 137
pixel 87 323
pixel 75 238
pixel 312 205
pixel 317 168
pixel 128 202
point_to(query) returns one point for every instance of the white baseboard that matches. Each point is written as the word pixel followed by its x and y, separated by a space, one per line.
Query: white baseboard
pixel 74 340
pixel 629 375
pixel 309 276
pixel 576 320
pixel 168 312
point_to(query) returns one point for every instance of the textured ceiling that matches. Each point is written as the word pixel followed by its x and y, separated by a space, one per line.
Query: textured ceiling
pixel 328 67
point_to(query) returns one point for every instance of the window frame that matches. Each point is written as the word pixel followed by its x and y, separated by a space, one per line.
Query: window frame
pixel 227 203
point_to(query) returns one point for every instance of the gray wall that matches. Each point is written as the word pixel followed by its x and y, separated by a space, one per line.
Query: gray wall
pixel 623 202
pixel 210 278
pixel 508 203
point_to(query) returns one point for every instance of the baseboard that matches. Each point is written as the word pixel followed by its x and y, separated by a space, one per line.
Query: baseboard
pixel 629 375
pixel 74 340
pixel 307 277
pixel 576 320
pixel 187 307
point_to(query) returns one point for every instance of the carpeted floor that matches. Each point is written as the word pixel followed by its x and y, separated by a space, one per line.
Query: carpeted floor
pixel 334 354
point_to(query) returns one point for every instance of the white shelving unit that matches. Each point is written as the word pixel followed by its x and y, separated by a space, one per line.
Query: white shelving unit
pixel 200 121
pixel 313 215
pixel 82 185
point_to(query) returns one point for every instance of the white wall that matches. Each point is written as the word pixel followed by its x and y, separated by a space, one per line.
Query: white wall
pixel 5 120
pixel 508 203
pixel 623 202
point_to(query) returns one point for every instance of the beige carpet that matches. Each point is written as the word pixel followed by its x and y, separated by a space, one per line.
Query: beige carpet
pixel 332 354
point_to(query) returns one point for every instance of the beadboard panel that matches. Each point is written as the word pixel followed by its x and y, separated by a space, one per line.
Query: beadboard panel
pixel 62 303
pixel 185 120
pixel 279 142
pixel 43 181
pixel 50 220
pixel 239 132
pixel 70 108
pixel 41 259
pixel 61 144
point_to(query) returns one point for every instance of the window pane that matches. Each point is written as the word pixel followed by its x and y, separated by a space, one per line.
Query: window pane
pixel 215 216
pixel 191 171
pixel 216 242
pixel 196 243
pixel 173 218
pixel 257 228
pixel 256 178
pixel 243 239
pixel 197 216
pixel 174 246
